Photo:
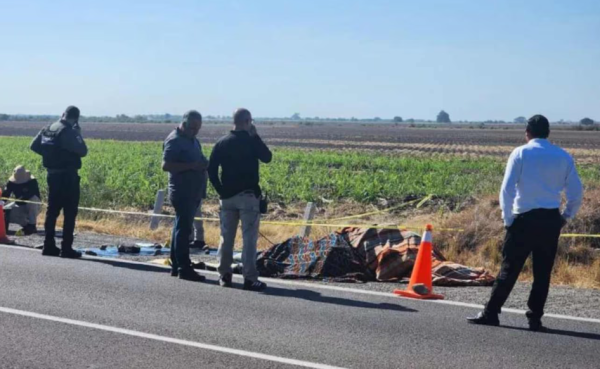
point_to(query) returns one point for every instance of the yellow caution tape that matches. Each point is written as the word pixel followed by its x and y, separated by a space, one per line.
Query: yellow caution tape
pixel 422 201
pixel 297 224
pixel 577 235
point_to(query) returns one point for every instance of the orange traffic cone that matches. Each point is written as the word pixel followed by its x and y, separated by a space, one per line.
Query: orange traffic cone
pixel 420 286
pixel 3 239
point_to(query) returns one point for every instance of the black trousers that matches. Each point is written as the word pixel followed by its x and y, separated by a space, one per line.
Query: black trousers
pixel 63 194
pixel 535 232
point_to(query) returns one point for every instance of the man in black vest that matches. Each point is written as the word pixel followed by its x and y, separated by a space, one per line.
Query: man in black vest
pixel 61 147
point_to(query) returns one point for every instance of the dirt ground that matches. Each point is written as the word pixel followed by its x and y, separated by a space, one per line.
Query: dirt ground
pixel 294 135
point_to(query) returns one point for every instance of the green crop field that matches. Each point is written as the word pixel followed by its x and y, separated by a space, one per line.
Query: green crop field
pixel 119 174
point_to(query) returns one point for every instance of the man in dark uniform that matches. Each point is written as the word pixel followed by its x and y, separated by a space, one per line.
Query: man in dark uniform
pixel 186 164
pixel 61 147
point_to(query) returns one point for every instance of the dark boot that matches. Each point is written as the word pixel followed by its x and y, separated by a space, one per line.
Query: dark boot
pixel 69 253
pixel 189 274
pixel 50 250
pixel 535 323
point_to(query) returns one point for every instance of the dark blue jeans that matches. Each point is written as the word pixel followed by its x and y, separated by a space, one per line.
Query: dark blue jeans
pixel 185 210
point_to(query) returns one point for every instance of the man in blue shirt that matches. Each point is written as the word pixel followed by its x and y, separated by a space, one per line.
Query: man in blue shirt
pixel 536 175
pixel 186 164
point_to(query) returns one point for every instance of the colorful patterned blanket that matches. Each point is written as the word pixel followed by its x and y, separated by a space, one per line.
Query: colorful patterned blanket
pixel 359 255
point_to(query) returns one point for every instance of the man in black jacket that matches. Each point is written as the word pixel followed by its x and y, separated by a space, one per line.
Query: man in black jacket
pixel 238 154
pixel 61 147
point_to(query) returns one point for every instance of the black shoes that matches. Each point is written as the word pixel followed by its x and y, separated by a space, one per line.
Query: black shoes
pixel 189 274
pixel 66 253
pixel 198 245
pixel 485 319
pixel 535 323
pixel 70 254
pixel 225 280
pixel 51 251
pixel 29 229
pixel 257 286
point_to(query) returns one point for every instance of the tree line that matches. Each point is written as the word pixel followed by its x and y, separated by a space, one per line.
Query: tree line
pixel 442 117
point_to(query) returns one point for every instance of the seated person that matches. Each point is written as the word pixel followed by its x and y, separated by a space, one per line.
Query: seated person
pixel 23 186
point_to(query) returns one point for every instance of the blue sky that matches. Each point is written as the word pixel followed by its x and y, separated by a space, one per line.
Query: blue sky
pixel 476 59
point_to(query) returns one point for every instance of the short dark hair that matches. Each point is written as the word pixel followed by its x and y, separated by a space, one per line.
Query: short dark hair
pixel 72 112
pixel 192 115
pixel 538 126
pixel 241 115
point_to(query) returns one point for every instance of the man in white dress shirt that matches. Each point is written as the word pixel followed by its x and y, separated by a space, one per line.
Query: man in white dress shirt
pixel 536 175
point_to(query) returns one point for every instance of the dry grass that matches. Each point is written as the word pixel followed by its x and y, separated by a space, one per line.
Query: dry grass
pixel 480 243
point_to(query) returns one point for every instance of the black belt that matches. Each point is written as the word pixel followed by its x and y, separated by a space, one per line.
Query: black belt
pixel 539 213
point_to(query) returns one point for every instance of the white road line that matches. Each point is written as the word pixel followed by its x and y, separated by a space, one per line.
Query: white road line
pixel 343 289
pixel 204 346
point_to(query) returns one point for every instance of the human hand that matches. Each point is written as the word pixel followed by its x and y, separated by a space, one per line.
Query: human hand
pixel 252 129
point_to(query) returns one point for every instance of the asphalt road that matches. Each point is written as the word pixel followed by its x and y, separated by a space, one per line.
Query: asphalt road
pixel 57 313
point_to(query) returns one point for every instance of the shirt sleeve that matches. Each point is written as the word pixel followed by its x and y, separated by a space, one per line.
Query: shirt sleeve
pixel 573 191
pixel 508 191
pixel 36 144
pixel 171 152
pixel 262 151
pixel 7 190
pixel 72 141
pixel 213 169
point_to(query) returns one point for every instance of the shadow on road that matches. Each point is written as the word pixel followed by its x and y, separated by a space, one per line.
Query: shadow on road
pixel 119 264
pixel 318 297
pixel 561 332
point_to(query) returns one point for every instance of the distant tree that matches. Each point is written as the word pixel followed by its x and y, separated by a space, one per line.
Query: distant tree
pixel 443 117
pixel 123 118
pixel 397 119
pixel 4 116
pixel 376 119
pixel 296 116
pixel 411 120
pixel 520 120
pixel 586 122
